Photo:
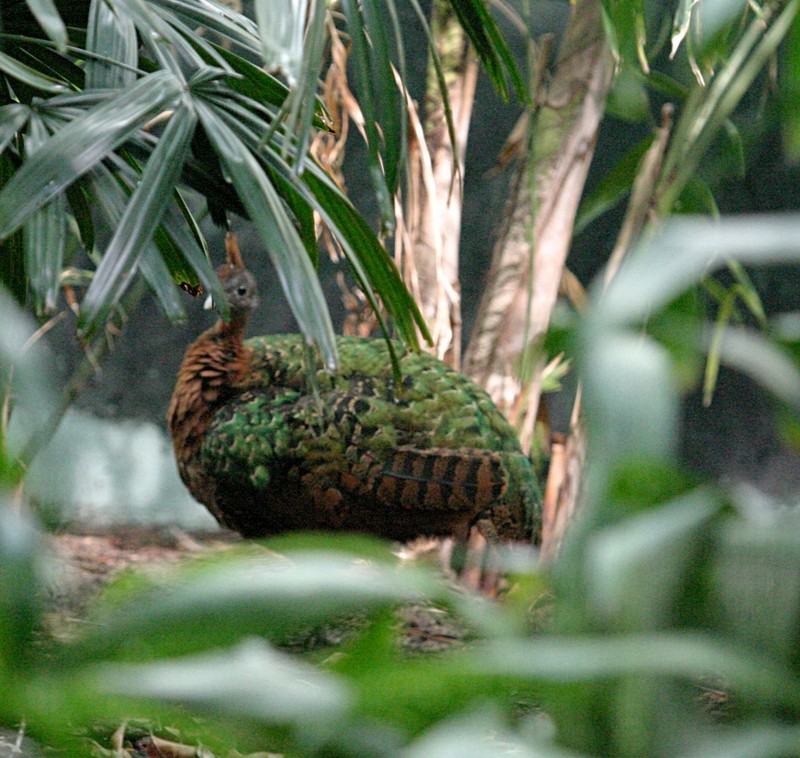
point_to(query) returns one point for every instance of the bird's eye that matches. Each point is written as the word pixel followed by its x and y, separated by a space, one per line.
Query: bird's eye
pixel 241 290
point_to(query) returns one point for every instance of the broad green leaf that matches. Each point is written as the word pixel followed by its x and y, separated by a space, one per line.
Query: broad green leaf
pixel 252 680
pixel 686 249
pixel 628 97
pixel 754 579
pixel 631 396
pixel 636 570
pixel 20 587
pixel 83 143
pixel 265 207
pixel 625 25
pixel 141 217
pixel 44 234
pixel 569 660
pixel 24 374
pixel 112 38
pixel 697 198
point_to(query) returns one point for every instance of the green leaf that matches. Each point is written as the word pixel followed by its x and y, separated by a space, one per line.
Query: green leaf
pixel 20 598
pixel 637 569
pixel 790 93
pixel 281 24
pixel 228 24
pixel 47 15
pixel 631 398
pixel 25 375
pixel 688 248
pixel 697 198
pixel 304 100
pixel 371 264
pixel 111 36
pixel 368 259
pixel 141 217
pixel 615 184
pixel 566 660
pixel 155 271
pixel 253 82
pixel 381 20
pixel 44 235
pixel 13 118
pixel 362 62
pixel 767 363
pixel 252 680
pixel 266 210
pixel 762 740
pixel 491 47
pixel 82 212
pixel 754 580
pixel 29 76
pixel 625 26
pixel 83 143
pixel 184 249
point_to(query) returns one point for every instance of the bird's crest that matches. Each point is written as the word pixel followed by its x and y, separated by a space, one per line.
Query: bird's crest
pixel 232 254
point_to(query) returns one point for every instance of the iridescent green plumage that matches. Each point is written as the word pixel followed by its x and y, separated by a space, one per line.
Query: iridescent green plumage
pixel 267 449
pixel 430 455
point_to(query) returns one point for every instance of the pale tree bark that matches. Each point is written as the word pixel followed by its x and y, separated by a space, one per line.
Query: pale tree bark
pixel 428 242
pixel 518 301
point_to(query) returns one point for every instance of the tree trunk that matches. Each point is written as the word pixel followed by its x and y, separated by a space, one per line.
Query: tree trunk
pixel 434 197
pixel 518 301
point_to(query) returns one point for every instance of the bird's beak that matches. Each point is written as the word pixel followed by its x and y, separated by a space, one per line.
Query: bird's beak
pixel 209 303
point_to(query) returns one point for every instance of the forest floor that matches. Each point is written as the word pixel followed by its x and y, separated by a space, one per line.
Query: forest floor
pixel 93 559
pixel 89 560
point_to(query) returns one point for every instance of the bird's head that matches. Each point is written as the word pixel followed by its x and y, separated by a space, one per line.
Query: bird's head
pixel 240 289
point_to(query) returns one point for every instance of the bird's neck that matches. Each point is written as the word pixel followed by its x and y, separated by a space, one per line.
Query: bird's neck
pixel 216 367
